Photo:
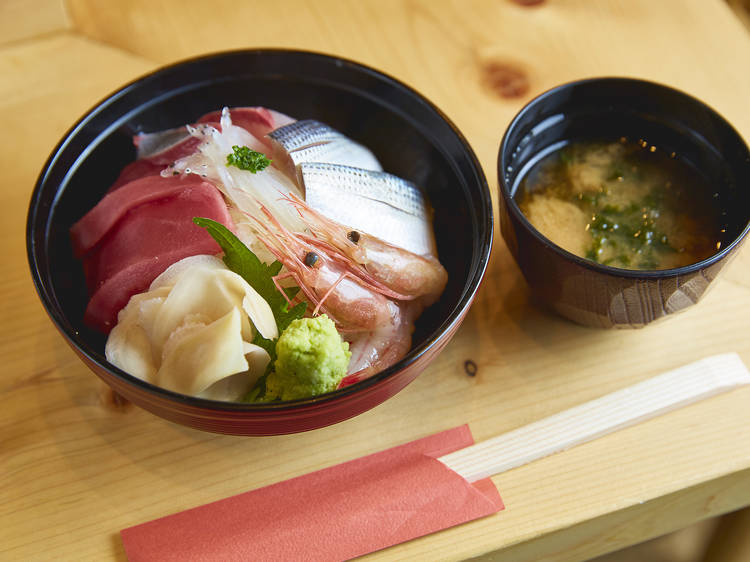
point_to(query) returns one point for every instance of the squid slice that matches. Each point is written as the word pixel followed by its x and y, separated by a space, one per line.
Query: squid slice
pixel 191 331
pixel 207 289
pixel 214 355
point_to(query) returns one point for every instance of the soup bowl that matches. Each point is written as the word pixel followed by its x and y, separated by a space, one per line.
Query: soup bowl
pixel 598 295
pixel 409 135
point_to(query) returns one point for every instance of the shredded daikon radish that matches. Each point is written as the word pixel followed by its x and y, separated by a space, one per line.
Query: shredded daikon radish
pixel 245 191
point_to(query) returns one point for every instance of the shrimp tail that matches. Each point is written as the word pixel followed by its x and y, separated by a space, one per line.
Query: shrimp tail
pixel 354 378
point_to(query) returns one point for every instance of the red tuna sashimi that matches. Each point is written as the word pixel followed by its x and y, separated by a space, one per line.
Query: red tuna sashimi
pixel 143 243
pixel 92 227
pixel 164 147
pixel 152 166
pixel 136 170
pixel 258 121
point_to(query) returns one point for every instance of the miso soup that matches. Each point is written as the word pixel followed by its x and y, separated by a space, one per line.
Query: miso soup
pixel 625 204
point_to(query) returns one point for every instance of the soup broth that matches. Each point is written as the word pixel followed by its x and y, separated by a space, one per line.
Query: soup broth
pixel 624 204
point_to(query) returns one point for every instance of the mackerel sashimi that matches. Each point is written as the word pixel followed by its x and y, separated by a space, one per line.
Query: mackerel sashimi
pixel 322 250
pixel 313 141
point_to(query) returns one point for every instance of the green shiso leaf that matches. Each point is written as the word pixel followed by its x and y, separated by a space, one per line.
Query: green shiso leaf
pixel 242 261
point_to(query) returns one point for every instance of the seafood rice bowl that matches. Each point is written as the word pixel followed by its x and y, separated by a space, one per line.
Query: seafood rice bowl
pixel 266 246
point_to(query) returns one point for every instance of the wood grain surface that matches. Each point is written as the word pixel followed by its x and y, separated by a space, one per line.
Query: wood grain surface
pixel 77 465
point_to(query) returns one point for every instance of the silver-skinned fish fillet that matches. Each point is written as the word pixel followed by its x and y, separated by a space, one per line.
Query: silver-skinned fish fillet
pixel 313 141
pixel 151 144
pixel 378 203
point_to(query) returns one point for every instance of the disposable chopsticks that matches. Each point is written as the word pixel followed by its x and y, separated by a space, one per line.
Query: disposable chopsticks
pixel 620 409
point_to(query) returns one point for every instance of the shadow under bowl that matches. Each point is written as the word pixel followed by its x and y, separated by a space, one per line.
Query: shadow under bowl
pixel 609 108
pixel 409 135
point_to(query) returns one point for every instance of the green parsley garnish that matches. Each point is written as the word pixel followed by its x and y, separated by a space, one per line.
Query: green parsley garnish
pixel 246 159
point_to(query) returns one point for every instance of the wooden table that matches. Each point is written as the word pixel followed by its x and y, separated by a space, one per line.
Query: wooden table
pixel 76 466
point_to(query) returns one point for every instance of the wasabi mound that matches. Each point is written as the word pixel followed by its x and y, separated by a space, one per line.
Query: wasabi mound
pixel 311 360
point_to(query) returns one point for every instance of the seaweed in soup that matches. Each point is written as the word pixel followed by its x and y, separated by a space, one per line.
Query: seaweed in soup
pixel 626 204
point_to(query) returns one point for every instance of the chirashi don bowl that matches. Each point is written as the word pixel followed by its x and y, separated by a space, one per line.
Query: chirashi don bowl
pixel 410 136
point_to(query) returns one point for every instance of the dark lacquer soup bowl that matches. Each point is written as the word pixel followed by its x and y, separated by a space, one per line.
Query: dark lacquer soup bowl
pixel 408 134
pixel 663 120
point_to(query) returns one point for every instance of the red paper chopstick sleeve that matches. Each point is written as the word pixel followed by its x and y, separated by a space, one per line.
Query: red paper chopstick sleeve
pixel 336 513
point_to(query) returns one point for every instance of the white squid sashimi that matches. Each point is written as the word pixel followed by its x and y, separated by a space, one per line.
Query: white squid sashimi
pixel 215 357
pixel 128 345
pixel 200 276
pixel 246 191
pixel 152 144
pixel 207 290
pixel 191 331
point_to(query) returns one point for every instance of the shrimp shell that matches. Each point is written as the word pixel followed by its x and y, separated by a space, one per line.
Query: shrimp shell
pixel 351 302
pixel 407 275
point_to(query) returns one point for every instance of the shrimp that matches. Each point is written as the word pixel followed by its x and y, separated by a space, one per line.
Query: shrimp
pixel 377 327
pixel 351 302
pixel 377 350
pixel 410 275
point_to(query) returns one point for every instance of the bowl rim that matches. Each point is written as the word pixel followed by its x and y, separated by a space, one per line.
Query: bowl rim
pixel 446 327
pixel 515 210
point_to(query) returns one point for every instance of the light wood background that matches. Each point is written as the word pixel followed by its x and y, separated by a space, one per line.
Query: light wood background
pixel 77 466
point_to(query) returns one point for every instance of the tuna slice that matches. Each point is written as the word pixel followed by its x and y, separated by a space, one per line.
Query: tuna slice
pixel 134 171
pixel 258 121
pixel 136 245
pixel 164 147
pixel 88 231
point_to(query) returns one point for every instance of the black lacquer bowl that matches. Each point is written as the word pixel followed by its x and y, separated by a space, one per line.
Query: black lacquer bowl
pixel 409 135
pixel 598 295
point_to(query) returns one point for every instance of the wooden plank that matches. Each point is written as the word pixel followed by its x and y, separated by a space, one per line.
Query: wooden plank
pixel 731 541
pixel 742 10
pixel 46 86
pixel 606 414
pixel 646 520
pixel 26 19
